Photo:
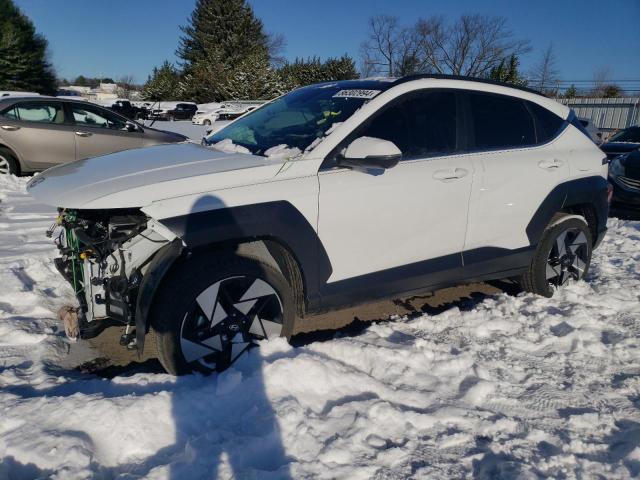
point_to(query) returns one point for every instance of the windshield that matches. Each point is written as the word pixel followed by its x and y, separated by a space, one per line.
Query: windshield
pixel 294 121
pixel 631 135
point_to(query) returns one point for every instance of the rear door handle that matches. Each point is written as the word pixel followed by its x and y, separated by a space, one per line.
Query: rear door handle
pixel 84 134
pixel 550 164
pixel 450 174
pixel 10 128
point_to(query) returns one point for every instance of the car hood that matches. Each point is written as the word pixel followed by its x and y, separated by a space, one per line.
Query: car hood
pixel 138 177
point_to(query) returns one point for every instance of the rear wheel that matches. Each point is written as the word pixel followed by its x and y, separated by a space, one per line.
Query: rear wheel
pixel 563 255
pixel 213 309
pixel 207 122
pixel 8 163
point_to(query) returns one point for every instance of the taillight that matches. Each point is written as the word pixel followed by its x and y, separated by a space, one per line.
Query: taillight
pixel 609 192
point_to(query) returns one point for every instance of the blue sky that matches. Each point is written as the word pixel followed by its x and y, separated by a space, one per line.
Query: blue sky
pixel 120 37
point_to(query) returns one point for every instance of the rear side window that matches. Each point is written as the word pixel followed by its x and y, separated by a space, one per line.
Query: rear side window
pixel 501 122
pixel 421 124
pixel 548 124
pixel 38 112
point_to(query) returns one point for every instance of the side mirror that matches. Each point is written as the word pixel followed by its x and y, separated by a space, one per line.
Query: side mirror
pixel 132 127
pixel 370 152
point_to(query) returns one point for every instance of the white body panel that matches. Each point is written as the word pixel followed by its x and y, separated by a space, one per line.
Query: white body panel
pixel 511 186
pixel 369 222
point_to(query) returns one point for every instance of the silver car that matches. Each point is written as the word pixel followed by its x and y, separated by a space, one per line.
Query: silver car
pixel 39 132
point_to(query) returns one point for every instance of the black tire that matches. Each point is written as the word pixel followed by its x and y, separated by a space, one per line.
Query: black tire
pixel 207 122
pixel 178 318
pixel 550 268
pixel 8 162
pixel 172 118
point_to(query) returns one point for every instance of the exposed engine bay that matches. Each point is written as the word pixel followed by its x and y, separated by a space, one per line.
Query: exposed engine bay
pixel 103 255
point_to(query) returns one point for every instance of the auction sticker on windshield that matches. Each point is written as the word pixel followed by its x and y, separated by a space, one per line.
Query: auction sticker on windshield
pixel 356 93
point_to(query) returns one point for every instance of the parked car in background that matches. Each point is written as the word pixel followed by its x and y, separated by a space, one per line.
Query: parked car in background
pixel 593 131
pixel 621 142
pixel 232 112
pixel 204 117
pixel 324 199
pixel 624 175
pixel 39 132
pixel 126 109
pixel 10 93
pixel 180 111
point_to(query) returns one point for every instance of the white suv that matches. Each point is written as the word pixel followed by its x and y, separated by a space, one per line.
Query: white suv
pixel 333 195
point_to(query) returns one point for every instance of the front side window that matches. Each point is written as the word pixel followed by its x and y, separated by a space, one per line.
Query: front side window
pixel 91 116
pixel 295 120
pixel 420 124
pixel 501 122
pixel 39 112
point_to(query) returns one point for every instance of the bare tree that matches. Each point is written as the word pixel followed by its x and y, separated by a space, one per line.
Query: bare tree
pixel 276 44
pixel 126 86
pixel 470 46
pixel 544 74
pixel 389 49
pixel 601 77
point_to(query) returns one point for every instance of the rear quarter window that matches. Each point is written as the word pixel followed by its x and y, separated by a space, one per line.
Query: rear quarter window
pixel 501 122
pixel 548 124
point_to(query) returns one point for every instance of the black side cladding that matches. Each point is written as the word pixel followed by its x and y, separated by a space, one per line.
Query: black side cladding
pixel 279 221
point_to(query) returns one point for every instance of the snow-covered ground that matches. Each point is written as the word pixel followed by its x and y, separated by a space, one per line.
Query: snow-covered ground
pixel 512 387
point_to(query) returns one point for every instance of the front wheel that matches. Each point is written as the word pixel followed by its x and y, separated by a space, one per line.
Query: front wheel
pixel 207 122
pixel 563 255
pixel 213 309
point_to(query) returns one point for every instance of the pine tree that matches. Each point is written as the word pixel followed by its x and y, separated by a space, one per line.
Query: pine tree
pixel 222 42
pixel 23 62
pixel 572 92
pixel 163 84
pixel 305 72
pixel 507 72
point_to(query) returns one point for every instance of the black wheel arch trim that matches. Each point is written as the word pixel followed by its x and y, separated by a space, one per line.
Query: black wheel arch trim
pixel 592 190
pixel 277 221
pixel 157 269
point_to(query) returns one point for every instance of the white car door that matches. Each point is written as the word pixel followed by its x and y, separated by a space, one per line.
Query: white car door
pixel 517 168
pixel 391 221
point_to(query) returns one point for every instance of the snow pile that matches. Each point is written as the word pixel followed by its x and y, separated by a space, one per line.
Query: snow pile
pixel 283 151
pixel 227 146
pixel 509 387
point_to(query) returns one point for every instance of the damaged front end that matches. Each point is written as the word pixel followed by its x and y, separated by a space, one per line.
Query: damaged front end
pixel 104 255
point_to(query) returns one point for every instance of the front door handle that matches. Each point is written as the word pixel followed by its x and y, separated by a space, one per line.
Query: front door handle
pixel 450 174
pixel 550 164
pixel 10 128
pixel 84 134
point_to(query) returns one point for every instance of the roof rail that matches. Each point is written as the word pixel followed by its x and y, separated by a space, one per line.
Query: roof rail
pixel 440 76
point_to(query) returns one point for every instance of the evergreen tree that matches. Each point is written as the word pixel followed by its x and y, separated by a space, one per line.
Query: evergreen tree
pixel 305 72
pixel 23 62
pixel 163 84
pixel 572 92
pixel 507 71
pixel 222 42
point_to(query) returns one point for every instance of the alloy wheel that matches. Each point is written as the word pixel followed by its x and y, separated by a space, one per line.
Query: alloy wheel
pixel 568 257
pixel 5 168
pixel 227 318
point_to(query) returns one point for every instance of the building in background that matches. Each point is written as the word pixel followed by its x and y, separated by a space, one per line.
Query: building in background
pixel 608 114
